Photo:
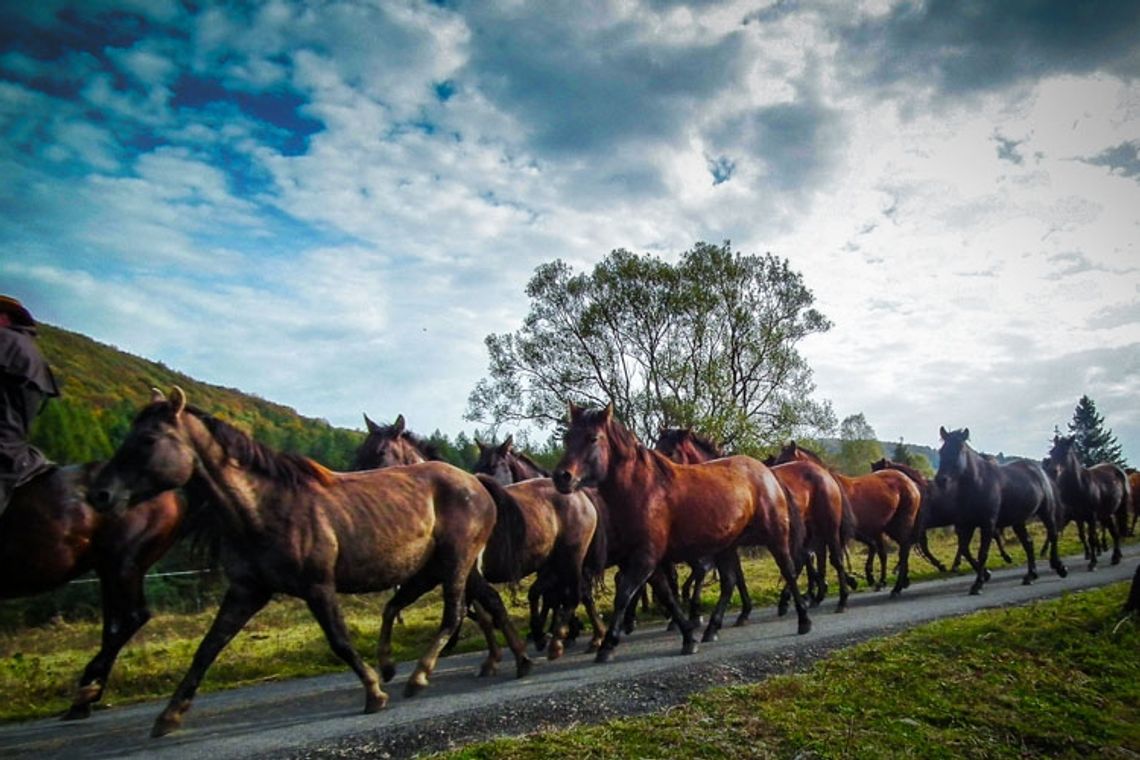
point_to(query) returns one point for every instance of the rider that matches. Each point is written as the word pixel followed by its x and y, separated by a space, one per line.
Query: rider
pixel 26 382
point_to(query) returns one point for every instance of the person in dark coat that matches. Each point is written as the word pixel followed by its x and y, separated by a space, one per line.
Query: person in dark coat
pixel 26 383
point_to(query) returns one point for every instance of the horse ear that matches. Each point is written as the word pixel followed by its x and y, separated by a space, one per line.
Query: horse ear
pixel 177 400
pixel 400 424
pixel 372 426
pixel 965 434
pixel 609 412
pixel 506 447
pixel 942 432
pixel 574 410
pixel 156 395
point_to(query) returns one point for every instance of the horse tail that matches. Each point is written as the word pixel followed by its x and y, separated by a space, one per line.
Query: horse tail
pixel 597 554
pixel 796 530
pixel 1125 502
pixel 847 519
pixel 504 552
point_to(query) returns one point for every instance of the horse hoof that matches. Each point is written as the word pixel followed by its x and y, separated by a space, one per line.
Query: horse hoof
pixel 165 723
pixel 1027 581
pixel 781 610
pixel 1116 558
pixel 707 637
pixel 604 655
pixel 740 621
pixel 375 703
pixel 412 688
pixel 523 666
pixel 1062 571
pixel 690 646
pixel 555 650
pixel 540 643
pixel 593 646
pixel 852 583
pixel 387 672
pixel 988 575
pixel 77 712
pixel 804 627
pixel 975 589
pixel 488 668
pixel 895 593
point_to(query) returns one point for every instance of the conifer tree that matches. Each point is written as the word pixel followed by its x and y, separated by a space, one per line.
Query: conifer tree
pixel 1095 443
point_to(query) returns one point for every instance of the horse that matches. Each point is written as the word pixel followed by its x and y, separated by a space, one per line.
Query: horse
pixel 934 513
pixel 1134 490
pixel 579 549
pixel 991 496
pixel 683 446
pixel 666 512
pixel 556 530
pixel 826 513
pixel 50 535
pixel 288 525
pixel 884 503
pixel 1101 490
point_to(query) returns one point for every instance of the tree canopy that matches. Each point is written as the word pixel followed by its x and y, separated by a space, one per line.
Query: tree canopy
pixel 1095 443
pixel 858 447
pixel 709 343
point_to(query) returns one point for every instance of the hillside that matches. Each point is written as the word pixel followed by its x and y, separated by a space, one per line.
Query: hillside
pixel 103 387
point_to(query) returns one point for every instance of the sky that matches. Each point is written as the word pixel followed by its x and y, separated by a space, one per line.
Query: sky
pixel 331 204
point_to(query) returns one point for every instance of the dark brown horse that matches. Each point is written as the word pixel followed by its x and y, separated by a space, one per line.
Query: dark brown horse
pixel 50 535
pixel 288 525
pixel 1102 490
pixel 988 496
pixel 936 514
pixel 1134 490
pixel 666 512
pixel 885 503
pixel 580 517
pixel 391 445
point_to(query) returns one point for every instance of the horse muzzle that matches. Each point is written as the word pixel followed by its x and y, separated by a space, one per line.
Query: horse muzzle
pixel 564 481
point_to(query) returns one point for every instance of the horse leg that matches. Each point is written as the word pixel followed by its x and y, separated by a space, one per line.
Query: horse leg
pixel 1000 543
pixel 662 592
pixel 536 594
pixel 834 551
pixel 697 576
pixel 726 572
pixel 787 565
pixel 1110 523
pixel 592 612
pixel 1027 544
pixel 452 616
pixel 482 592
pixel 238 605
pixel 924 549
pixel 569 568
pixel 406 593
pixel 124 613
pixel 869 567
pixel 742 589
pixel 630 581
pixel 881 550
pixel 321 601
pixel 983 556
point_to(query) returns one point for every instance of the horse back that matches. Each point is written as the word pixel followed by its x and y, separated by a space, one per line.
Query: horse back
pixel 1025 492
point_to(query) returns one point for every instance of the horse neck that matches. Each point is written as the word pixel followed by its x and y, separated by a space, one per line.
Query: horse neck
pixel 521 469
pixel 235 491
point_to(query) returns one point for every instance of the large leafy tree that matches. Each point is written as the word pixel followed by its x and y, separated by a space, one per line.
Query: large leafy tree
pixel 858 447
pixel 1095 443
pixel 709 342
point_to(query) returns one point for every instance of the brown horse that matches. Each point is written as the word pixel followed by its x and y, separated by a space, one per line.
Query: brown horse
pixel 50 535
pixel 1134 490
pixel 666 512
pixel 578 556
pixel 288 525
pixel 683 446
pixel 884 503
pixel 555 530
pixel 1102 490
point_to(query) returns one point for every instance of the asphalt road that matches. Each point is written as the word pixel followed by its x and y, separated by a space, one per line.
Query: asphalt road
pixel 301 717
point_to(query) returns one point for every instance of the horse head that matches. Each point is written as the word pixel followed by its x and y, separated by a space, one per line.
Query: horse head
pixel 387 446
pixel 157 455
pixel 589 443
pixel 495 460
pixel 953 456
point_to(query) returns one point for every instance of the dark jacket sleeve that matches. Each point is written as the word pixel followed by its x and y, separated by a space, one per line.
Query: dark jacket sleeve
pixel 20 358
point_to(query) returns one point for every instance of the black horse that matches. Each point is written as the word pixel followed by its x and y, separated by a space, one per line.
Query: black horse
pixel 1100 493
pixel 991 496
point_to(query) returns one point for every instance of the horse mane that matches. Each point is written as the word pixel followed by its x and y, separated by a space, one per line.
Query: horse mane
pixel 906 469
pixel 292 470
pixel 811 454
pixel 704 443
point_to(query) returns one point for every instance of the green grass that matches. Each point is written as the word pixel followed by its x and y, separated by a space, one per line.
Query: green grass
pixel 39 666
pixel 1052 679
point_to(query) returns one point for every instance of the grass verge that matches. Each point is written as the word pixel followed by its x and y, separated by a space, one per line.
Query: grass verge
pixel 1053 679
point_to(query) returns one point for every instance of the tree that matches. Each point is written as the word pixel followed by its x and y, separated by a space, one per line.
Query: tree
pixel 1094 442
pixel 708 343
pixel 904 455
pixel 858 447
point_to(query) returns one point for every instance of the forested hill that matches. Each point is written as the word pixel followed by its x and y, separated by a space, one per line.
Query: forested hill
pixel 104 387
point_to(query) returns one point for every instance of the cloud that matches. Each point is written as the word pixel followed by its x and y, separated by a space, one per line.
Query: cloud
pixel 1122 159
pixel 956 48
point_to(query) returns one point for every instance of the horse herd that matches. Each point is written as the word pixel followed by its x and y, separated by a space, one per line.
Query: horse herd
pixel 403 520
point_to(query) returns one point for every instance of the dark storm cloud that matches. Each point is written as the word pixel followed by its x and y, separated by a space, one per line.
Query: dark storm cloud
pixel 580 85
pixel 958 47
